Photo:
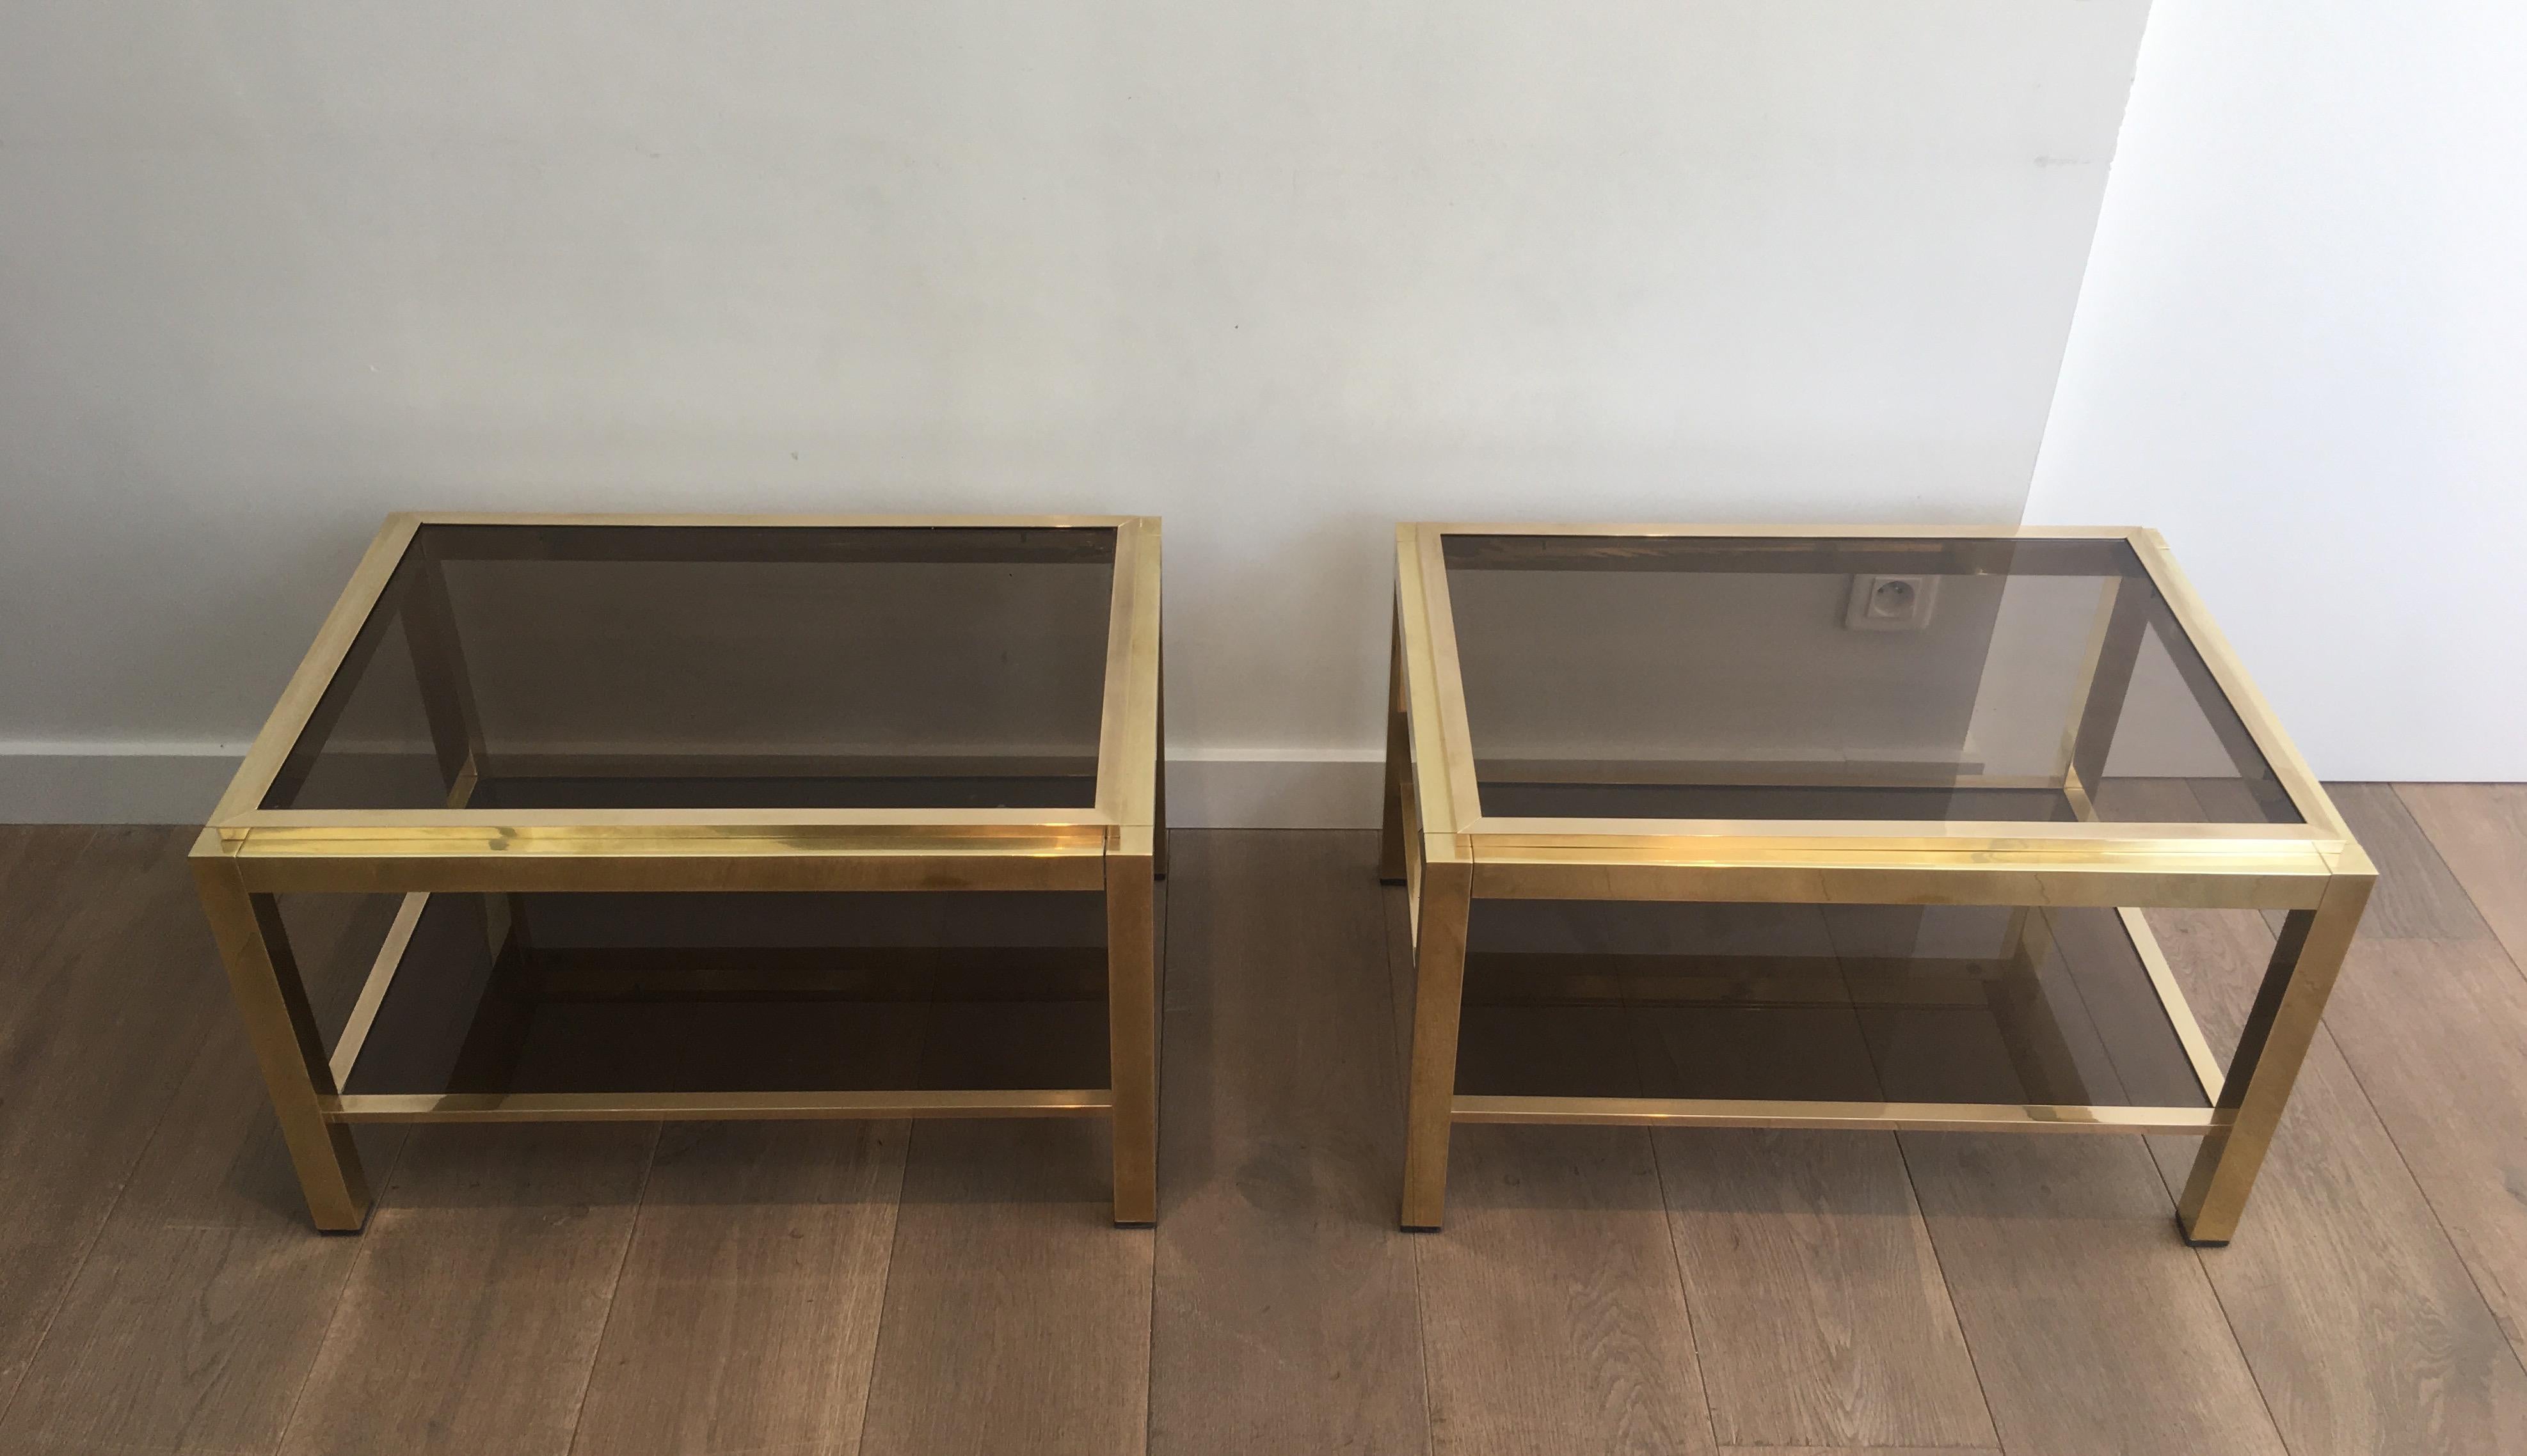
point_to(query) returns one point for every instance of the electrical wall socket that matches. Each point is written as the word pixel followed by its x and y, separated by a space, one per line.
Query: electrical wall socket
pixel 1890 604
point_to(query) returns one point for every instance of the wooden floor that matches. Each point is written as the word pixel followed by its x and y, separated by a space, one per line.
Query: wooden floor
pixel 954 1287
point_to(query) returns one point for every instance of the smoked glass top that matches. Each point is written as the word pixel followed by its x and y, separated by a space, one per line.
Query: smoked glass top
pixel 570 666
pixel 1842 678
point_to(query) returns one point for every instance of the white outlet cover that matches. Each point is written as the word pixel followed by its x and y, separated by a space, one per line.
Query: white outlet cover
pixel 1889 604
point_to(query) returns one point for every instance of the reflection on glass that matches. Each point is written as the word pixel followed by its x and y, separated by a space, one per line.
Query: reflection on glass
pixel 745 992
pixel 510 667
pixel 1844 1003
pixel 1715 678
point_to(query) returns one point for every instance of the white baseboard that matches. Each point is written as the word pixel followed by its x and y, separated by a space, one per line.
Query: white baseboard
pixel 128 783
pixel 113 781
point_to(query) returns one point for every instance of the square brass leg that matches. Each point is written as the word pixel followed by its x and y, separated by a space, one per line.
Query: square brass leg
pixel 2270 1050
pixel 1399 767
pixel 1132 1009
pixel 1438 1003
pixel 1158 837
pixel 286 1043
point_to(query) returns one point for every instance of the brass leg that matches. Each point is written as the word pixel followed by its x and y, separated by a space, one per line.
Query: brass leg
pixel 448 701
pixel 1438 1001
pixel 1131 1000
pixel 2275 1041
pixel 2030 1021
pixel 1399 764
pixel 1158 836
pixel 286 1043
pixel 447 686
pixel 2113 652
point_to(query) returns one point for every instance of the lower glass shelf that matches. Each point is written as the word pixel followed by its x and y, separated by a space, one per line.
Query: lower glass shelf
pixel 650 1001
pixel 1855 1006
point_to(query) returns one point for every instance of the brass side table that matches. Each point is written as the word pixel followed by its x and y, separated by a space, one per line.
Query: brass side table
pixel 1840 826
pixel 657 810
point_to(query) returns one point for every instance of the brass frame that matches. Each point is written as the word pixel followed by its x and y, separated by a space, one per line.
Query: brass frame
pixel 247 855
pixel 1439 845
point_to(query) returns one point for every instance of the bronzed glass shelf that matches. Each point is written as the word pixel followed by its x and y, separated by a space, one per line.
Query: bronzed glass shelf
pixel 1843 1004
pixel 697 992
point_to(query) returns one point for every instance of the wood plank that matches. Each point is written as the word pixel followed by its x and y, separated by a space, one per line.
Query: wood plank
pixel 93 1042
pixel 180 1340
pixel 198 1316
pixel 2363 1327
pixel 1805 1256
pixel 1553 1314
pixel 2436 1032
pixel 1285 1316
pixel 1018 1316
pixel 37 865
pixel 2417 896
pixel 746 1316
pixel 1859 1451
pixel 472 1315
pixel 2480 831
pixel 68 900
pixel 194 1322
pixel 2091 1325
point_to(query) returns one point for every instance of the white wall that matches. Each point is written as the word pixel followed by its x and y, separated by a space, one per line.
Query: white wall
pixel 2301 352
pixel 1282 274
